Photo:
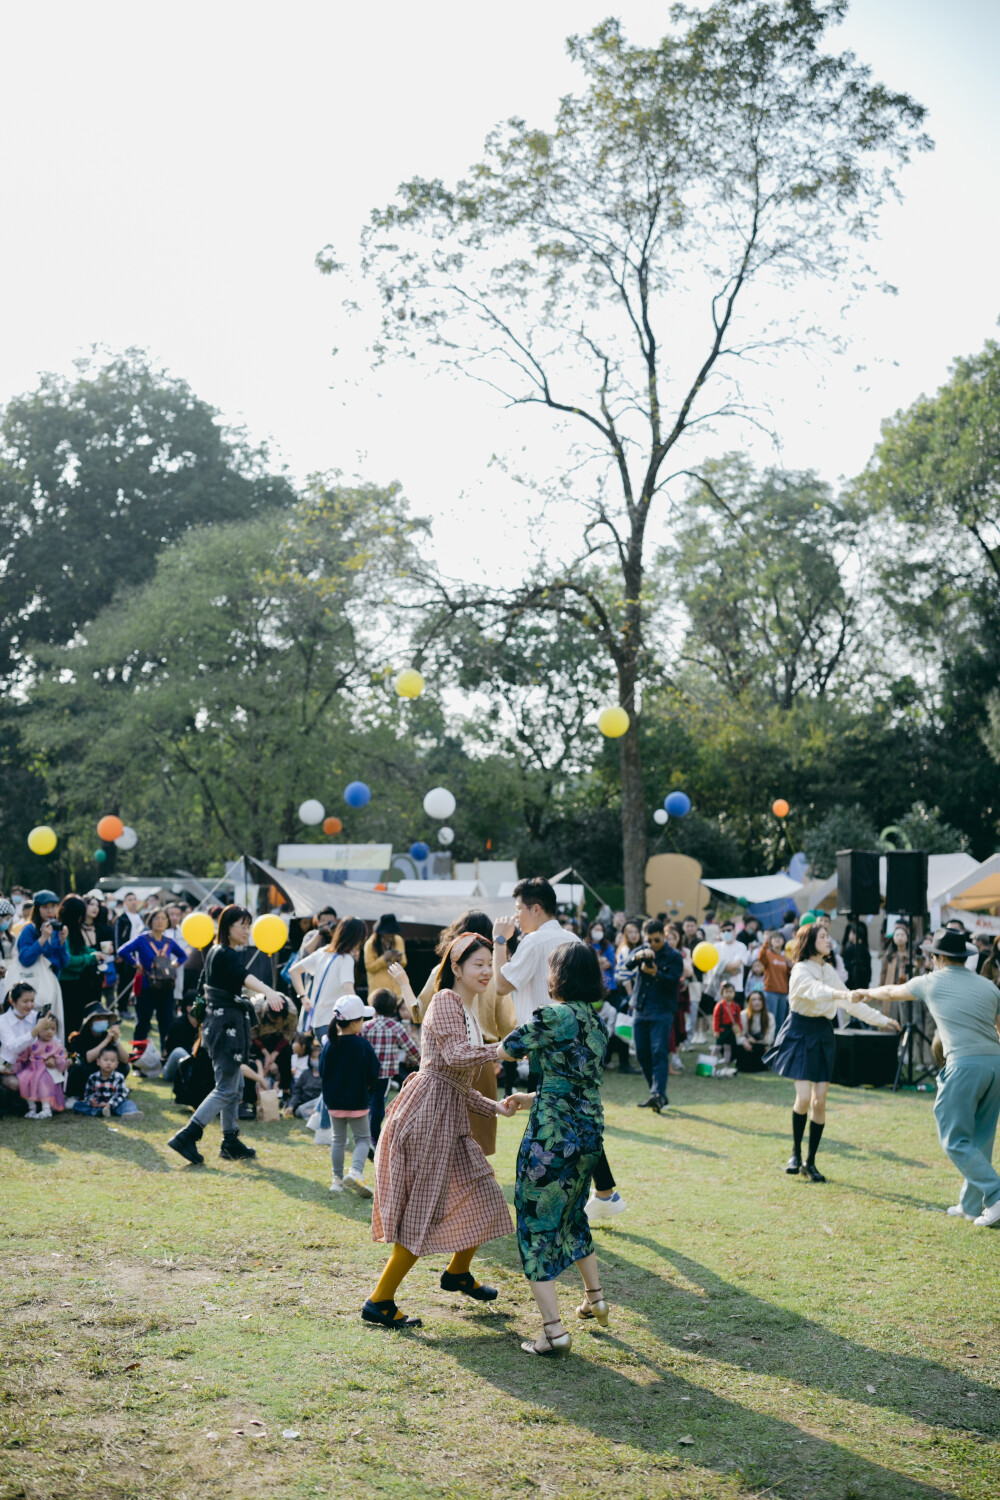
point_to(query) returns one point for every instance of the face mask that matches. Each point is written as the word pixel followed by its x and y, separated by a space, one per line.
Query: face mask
pixel 4 924
pixel 100 1027
pixel 598 935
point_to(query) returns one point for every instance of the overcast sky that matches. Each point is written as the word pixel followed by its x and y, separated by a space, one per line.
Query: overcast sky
pixel 172 170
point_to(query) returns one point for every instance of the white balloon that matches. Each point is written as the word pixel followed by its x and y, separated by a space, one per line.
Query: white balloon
pixel 439 803
pixel 127 839
pixel 661 816
pixel 446 836
pixel 312 812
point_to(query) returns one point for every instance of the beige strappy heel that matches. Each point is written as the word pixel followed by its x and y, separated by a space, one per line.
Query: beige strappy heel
pixel 557 1346
pixel 595 1306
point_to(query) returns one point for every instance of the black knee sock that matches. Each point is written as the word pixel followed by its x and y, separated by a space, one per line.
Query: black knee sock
pixel 798 1130
pixel 815 1132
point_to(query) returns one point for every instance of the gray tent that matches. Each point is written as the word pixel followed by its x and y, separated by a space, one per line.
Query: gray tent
pixel 421 916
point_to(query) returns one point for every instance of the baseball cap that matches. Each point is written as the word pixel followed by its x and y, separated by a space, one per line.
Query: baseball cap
pixel 352 1008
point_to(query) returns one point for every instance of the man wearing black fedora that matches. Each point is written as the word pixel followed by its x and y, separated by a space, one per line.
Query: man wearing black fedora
pixel 966 1009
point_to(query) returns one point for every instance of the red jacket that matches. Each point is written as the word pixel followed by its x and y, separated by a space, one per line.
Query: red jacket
pixel 727 1013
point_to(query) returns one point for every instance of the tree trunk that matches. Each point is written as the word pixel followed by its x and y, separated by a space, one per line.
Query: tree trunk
pixel 633 808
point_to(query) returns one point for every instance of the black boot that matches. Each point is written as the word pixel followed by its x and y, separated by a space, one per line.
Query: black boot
pixel 185 1143
pixel 233 1149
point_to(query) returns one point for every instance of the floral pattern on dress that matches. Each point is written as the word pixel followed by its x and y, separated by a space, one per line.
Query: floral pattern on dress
pixel 564 1139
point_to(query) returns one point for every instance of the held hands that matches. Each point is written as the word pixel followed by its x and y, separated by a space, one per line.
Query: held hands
pixel 520 1101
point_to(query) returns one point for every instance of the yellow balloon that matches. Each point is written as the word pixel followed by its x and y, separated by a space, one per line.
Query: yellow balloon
pixel 613 722
pixel 705 956
pixel 269 933
pixel 409 683
pixel 198 929
pixel 42 840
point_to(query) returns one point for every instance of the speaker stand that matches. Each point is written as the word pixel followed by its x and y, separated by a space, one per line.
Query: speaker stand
pixel 915 1071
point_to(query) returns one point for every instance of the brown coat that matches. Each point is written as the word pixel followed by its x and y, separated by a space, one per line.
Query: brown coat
pixel 377 965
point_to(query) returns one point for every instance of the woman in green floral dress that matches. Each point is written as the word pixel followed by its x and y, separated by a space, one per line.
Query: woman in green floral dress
pixel 564 1139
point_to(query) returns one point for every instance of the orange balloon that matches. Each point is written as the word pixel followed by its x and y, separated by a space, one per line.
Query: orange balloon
pixel 332 825
pixel 110 828
pixel 780 808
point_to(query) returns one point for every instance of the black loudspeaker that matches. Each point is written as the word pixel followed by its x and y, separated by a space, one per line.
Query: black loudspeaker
pixel 865 1057
pixel 857 883
pixel 906 882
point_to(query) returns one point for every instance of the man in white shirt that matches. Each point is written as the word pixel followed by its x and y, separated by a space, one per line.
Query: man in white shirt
pixel 527 975
pixel 732 961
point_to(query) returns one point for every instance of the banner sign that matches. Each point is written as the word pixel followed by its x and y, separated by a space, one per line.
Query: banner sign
pixel 348 857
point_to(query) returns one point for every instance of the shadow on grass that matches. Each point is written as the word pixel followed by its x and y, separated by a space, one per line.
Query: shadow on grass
pixel 770 1340
pixel 649 1416
pixel 664 1141
pixel 83 1134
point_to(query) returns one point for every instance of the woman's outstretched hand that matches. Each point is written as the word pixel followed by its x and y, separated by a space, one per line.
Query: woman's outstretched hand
pixel 522 1101
pixel 507 1107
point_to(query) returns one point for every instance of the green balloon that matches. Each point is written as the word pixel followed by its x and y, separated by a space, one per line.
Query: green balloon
pixel 807 918
pixel 743 901
pixel 100 855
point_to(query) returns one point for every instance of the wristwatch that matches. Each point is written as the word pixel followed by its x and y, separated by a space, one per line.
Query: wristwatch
pixel 500 939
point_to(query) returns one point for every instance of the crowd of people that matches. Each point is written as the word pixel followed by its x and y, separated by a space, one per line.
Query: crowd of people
pixel 524 1013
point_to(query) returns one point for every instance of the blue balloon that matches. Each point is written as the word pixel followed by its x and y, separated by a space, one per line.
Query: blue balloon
pixel 357 794
pixel 419 851
pixel 677 804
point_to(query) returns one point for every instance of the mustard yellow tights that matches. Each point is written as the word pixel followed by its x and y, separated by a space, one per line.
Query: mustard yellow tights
pixel 402 1261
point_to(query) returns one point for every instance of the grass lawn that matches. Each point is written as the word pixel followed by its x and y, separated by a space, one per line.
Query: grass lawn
pixel 163 1327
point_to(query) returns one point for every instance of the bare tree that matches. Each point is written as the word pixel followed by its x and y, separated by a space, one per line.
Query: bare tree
pixel 568 269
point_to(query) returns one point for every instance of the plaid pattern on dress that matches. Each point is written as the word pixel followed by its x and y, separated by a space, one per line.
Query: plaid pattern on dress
pixel 434 1189
pixel 101 1091
pixel 389 1038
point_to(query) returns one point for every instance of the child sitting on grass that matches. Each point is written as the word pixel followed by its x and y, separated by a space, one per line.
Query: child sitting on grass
pixel 350 1075
pixel 302 1046
pixel 106 1092
pixel 308 1085
pixel 727 1022
pixel 39 1068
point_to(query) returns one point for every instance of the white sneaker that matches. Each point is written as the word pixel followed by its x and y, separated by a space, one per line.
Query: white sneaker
pixel 32 1111
pixel 313 1121
pixel 958 1212
pixel 353 1181
pixel 323 1138
pixel 989 1216
pixel 45 1113
pixel 336 1184
pixel 605 1208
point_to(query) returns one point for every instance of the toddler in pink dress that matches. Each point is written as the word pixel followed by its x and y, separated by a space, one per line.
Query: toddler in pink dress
pixel 36 1069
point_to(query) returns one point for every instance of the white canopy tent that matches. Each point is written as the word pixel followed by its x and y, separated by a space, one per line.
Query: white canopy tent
pixel 756 888
pixel 976 888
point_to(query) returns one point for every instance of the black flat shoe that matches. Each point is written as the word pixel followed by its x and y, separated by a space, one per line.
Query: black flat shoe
pixel 794 1166
pixel 383 1314
pixel 808 1169
pixel 452 1281
pixel 653 1102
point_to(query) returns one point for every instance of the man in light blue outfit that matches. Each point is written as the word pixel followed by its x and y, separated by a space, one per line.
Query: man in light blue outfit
pixel 966 1008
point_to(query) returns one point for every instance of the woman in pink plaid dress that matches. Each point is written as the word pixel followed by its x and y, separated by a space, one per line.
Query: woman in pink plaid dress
pixel 434 1189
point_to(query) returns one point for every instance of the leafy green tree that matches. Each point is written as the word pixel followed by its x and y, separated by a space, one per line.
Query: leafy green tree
pixel 760 564
pixel 842 828
pixel 235 682
pixel 564 270
pixel 97 474
pixel 924 828
pixel 935 475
